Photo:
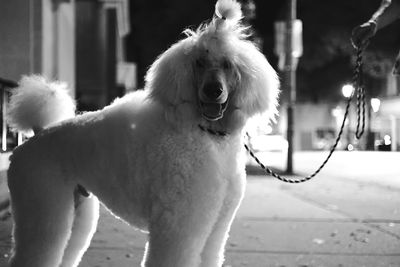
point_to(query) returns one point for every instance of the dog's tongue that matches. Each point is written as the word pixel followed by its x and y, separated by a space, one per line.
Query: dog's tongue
pixel 212 110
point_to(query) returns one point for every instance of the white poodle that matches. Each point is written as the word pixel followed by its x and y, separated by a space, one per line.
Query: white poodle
pixel 168 159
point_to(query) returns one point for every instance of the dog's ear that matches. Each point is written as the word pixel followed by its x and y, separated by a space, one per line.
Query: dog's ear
pixel 170 78
pixel 258 88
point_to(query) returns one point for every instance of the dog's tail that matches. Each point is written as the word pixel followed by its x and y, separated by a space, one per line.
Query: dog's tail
pixel 37 104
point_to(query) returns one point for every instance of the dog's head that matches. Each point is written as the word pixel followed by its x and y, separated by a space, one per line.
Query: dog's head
pixel 215 75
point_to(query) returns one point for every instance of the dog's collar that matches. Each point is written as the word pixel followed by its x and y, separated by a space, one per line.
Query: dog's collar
pixel 213 132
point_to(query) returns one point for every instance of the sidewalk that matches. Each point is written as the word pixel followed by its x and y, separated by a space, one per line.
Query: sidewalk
pixel 343 218
pixel 321 223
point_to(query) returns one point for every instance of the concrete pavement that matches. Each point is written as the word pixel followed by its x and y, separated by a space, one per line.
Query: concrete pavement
pixel 349 216
pixel 325 223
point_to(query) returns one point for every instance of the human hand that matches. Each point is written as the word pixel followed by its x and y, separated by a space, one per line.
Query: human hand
pixel 361 34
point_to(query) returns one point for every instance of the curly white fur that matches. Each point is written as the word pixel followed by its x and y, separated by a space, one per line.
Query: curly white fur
pixel 228 13
pixel 145 156
pixel 228 9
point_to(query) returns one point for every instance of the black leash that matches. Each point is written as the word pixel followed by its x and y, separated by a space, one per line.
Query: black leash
pixel 358 91
pixel 358 84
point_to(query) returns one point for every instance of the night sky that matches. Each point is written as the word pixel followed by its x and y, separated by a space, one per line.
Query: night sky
pixel 328 54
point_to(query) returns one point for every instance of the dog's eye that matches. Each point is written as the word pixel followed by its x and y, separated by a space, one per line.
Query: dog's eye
pixel 226 65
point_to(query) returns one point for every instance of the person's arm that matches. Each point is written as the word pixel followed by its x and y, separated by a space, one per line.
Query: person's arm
pixel 388 12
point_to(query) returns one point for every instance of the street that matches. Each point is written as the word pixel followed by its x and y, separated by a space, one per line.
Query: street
pixel 348 216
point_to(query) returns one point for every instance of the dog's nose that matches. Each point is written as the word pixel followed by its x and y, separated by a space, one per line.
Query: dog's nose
pixel 212 90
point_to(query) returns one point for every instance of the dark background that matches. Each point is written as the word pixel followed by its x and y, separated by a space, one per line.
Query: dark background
pixel 328 55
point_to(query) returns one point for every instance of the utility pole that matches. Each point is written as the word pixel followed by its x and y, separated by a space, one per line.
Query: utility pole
pixel 289 48
pixel 290 81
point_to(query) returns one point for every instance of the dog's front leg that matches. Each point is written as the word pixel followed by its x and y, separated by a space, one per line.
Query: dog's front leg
pixel 213 252
pixel 181 222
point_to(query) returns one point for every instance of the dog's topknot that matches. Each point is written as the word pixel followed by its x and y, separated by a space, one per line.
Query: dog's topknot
pixel 228 13
pixel 226 21
pixel 228 10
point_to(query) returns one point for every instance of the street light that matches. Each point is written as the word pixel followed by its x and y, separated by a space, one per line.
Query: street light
pixel 372 121
pixel 347 90
pixel 375 104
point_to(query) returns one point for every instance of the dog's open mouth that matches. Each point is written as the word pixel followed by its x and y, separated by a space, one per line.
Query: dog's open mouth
pixel 213 111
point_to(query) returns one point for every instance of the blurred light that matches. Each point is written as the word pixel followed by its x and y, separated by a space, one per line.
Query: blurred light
pixel 337 112
pixel 258 125
pixel 377 143
pixel 375 104
pixel 347 90
pixel 386 140
pixel 268 129
pixel 350 147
